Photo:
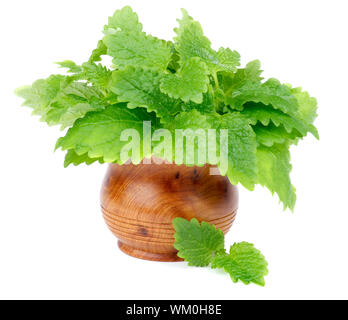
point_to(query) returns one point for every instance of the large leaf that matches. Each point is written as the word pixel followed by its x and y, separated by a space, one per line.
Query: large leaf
pixel 129 45
pixel 141 88
pixel 242 145
pixel 272 93
pixel 72 157
pixel 98 134
pixel 271 134
pixel 274 172
pixel 266 115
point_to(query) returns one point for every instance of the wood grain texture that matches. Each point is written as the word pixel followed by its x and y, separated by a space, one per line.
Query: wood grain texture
pixel 139 203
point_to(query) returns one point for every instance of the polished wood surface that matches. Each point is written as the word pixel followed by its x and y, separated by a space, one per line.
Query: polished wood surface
pixel 139 203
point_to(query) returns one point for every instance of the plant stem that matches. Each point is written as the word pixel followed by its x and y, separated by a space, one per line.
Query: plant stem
pixel 216 81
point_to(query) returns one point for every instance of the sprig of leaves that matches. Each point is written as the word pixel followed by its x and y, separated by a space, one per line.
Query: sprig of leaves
pixel 177 84
pixel 202 244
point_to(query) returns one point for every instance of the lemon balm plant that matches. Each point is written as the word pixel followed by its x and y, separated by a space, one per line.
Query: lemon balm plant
pixel 180 84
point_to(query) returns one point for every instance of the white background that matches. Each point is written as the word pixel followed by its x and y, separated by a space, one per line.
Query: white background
pixel 53 240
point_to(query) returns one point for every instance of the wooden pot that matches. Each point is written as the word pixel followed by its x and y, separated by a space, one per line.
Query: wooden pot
pixel 139 203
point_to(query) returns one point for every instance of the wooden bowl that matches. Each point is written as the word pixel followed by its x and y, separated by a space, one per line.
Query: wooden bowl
pixel 139 203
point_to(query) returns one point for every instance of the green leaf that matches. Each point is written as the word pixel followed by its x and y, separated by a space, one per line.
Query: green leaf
pixel 72 157
pixel 98 133
pixel 272 92
pixel 241 148
pixel 59 100
pixel 197 242
pixel 230 82
pixel 128 45
pixel 81 90
pixel 251 73
pixel 97 74
pixel 266 114
pixel 274 172
pixel 137 50
pixel 191 42
pixel 244 263
pixel 201 244
pixel 67 110
pixel 189 83
pixel 271 134
pixel 191 119
pixel 189 136
pixel 73 102
pixel 141 88
pixel 307 110
pixel 207 105
pixel 98 52
pixel 125 20
pixel 174 64
pixel 41 94
pixel 70 65
pixel 228 59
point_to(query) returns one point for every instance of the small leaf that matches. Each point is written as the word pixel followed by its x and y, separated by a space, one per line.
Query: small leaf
pixel 125 20
pixel 244 263
pixel 274 172
pixel 307 105
pixel 228 59
pixel 40 95
pixel 97 74
pixel 98 52
pixel 197 242
pixel 70 65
